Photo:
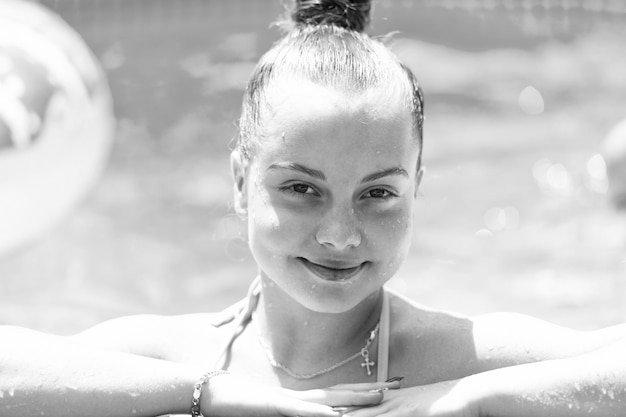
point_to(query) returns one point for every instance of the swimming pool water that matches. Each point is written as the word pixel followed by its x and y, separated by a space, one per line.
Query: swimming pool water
pixel 512 214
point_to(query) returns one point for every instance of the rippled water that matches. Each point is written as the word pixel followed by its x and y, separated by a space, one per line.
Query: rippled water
pixel 512 215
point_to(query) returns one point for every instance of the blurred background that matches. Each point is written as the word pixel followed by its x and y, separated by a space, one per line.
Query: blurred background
pixel 515 211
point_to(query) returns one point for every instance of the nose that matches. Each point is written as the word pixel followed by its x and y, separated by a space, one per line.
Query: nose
pixel 339 229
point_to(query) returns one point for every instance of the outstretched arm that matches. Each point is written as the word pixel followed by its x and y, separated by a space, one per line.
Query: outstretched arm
pixel 42 374
pixel 590 384
pixel 575 374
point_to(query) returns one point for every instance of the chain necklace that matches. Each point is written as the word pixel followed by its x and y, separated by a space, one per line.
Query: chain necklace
pixel 364 353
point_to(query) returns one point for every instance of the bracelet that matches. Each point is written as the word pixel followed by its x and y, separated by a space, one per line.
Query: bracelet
pixel 197 391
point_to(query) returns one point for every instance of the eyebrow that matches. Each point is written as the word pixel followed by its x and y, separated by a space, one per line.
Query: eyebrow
pixel 320 175
pixel 300 168
pixel 385 173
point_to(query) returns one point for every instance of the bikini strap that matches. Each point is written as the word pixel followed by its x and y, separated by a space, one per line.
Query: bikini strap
pixel 383 340
pixel 248 305
pixel 241 319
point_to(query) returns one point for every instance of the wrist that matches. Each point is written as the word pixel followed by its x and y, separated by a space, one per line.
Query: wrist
pixel 202 395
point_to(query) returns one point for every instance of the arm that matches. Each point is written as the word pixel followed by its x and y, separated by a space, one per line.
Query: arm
pixel 590 384
pixel 74 376
pixel 50 374
pixel 561 371
pixel 535 370
pixel 505 339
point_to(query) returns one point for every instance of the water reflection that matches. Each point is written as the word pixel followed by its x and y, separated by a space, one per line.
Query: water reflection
pixel 498 219
pixel 531 101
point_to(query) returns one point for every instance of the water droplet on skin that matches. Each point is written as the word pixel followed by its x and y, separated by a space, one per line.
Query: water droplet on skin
pixel 11 392
pixel 134 411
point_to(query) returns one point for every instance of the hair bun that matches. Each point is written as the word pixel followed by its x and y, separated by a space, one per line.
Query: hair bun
pixel 348 14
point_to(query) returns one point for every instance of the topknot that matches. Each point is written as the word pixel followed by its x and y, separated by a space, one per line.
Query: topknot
pixel 348 14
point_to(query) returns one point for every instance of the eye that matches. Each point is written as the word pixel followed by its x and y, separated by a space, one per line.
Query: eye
pixel 299 189
pixel 379 193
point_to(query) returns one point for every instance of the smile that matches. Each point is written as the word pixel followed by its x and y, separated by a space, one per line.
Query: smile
pixel 333 273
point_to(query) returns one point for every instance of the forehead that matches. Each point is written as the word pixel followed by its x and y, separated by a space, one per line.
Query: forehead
pixel 293 94
pixel 303 117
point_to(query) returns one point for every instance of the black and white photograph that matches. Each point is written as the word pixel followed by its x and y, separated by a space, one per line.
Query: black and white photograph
pixel 312 208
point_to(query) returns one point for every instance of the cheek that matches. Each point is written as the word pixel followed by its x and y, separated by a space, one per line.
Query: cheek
pixel 392 232
pixel 263 221
pixel 271 227
pixel 401 235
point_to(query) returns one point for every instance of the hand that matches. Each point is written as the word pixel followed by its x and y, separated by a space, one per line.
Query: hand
pixel 444 399
pixel 233 395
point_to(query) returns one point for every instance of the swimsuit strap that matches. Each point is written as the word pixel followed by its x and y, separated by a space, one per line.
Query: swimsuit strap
pixel 383 340
pixel 246 307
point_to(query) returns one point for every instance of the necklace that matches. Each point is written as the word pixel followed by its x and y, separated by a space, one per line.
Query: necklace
pixel 364 353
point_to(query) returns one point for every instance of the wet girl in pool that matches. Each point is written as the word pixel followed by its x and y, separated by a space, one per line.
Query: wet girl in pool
pixel 326 171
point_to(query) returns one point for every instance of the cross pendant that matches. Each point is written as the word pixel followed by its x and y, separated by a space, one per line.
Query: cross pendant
pixel 367 364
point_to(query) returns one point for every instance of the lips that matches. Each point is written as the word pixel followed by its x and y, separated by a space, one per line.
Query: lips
pixel 333 271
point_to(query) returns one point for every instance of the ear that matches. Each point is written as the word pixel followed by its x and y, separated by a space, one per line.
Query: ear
pixel 239 168
pixel 418 178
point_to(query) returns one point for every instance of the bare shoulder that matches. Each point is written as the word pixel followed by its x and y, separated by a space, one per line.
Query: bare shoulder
pixel 177 337
pixel 410 316
pixel 504 339
pixel 429 345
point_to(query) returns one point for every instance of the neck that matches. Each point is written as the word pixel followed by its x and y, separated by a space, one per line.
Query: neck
pixel 306 341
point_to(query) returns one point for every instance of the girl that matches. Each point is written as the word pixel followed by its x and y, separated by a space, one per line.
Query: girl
pixel 326 171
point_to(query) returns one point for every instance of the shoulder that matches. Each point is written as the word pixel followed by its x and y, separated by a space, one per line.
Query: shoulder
pixel 428 345
pixel 159 336
pixel 409 316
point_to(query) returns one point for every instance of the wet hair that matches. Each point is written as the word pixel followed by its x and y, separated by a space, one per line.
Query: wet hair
pixel 326 45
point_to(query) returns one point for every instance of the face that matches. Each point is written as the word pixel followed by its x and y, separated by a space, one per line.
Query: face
pixel 329 193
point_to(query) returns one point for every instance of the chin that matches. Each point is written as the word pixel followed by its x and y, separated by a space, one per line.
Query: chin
pixel 328 307
pixel 337 300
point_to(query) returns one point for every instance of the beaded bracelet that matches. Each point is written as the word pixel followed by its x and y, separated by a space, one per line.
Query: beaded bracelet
pixel 197 391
